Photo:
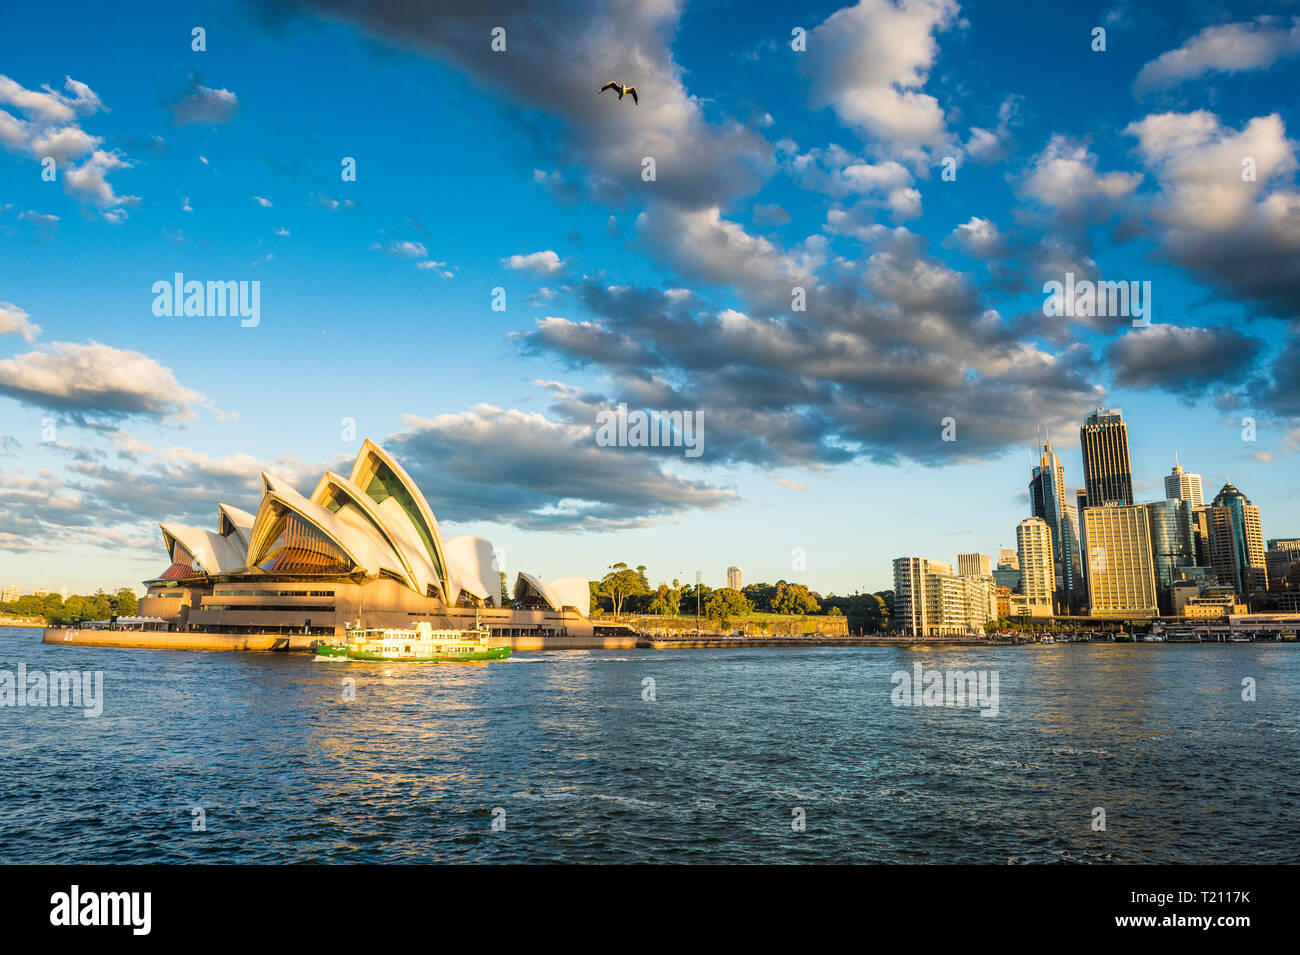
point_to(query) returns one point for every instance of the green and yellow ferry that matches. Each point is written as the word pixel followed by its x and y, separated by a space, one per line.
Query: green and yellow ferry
pixel 419 644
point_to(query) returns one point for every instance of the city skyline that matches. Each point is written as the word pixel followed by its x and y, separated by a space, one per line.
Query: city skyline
pixel 822 429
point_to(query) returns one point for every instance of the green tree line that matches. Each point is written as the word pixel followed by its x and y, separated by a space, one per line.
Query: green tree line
pixel 57 611
pixel 627 590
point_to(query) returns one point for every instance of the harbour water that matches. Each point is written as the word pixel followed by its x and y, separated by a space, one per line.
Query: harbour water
pixel 576 757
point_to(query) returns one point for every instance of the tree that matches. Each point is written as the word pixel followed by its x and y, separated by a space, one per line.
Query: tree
pixel 725 603
pixel 793 599
pixel 125 603
pixel 759 596
pixel 667 601
pixel 621 583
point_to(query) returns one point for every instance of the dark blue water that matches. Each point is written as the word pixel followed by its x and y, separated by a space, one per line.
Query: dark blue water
pixel 714 770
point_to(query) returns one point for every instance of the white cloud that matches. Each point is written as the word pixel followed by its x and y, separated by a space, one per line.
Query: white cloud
pixel 13 321
pixel 403 249
pixel 979 238
pixel 538 263
pixel 701 244
pixel 202 105
pixel 98 381
pixel 1241 234
pixel 869 63
pixel 1223 48
pixel 89 182
pixel 1064 176
pixel 50 108
pixel 51 130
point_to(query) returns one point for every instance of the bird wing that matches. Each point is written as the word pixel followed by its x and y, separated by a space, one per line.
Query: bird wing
pixel 611 85
pixel 632 90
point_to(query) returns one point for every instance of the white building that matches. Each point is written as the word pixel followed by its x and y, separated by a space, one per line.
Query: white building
pixel 734 579
pixel 1183 485
pixel 930 600
pixel 1037 567
pixel 978 565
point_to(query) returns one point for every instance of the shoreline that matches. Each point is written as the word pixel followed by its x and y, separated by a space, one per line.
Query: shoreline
pixel 300 643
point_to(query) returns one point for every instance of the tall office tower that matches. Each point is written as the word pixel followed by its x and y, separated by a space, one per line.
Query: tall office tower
pixel 733 578
pixel 1237 542
pixel 1070 528
pixel 1080 505
pixel 1047 500
pixel 1173 547
pixel 1183 485
pixel 1008 560
pixel 974 565
pixel 1106 472
pixel 1121 570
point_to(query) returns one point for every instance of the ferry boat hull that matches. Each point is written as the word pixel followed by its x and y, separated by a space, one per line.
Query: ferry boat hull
pixel 418 644
pixel 344 652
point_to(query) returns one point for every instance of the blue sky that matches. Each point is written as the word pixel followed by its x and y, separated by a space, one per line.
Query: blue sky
pixel 775 168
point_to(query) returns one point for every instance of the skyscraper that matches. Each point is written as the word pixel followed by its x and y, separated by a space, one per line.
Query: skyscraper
pixel 734 578
pixel 974 565
pixel 1121 569
pixel 1237 542
pixel 1172 545
pixel 1107 476
pixel 1183 485
pixel 1037 568
pixel 1008 560
pixel 1080 505
pixel 1047 500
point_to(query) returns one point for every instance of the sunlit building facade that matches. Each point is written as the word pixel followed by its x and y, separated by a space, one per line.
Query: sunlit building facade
pixel 930 600
pixel 1107 474
pixel 1237 542
pixel 1183 485
pixel 1037 566
pixel 1121 569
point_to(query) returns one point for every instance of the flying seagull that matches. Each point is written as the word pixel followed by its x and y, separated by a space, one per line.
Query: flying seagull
pixel 620 89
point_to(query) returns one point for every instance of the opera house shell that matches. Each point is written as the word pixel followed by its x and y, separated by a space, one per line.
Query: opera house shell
pixel 366 548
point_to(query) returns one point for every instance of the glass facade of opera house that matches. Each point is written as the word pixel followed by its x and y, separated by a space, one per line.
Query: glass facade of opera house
pixel 366 548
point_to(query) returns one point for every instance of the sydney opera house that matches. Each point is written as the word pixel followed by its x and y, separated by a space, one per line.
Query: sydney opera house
pixel 360 548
